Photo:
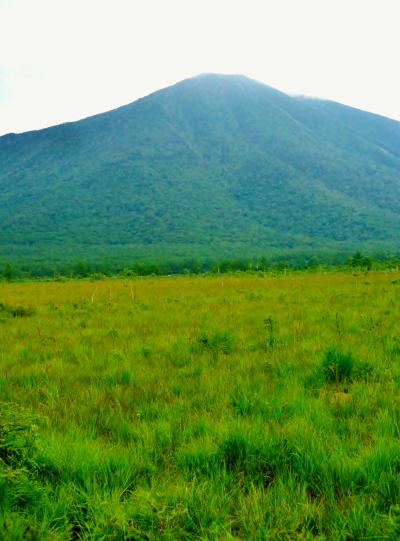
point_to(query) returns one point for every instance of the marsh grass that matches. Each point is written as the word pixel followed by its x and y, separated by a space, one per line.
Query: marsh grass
pixel 16 311
pixel 337 365
pixel 263 407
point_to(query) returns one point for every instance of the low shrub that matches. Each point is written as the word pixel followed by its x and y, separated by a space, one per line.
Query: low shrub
pixel 337 365
pixel 17 436
pixel 17 311
pixel 217 342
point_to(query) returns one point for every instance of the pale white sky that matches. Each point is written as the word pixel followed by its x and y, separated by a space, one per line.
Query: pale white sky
pixel 62 60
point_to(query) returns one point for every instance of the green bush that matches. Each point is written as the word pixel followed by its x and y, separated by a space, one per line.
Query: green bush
pixel 17 436
pixel 218 342
pixel 337 365
pixel 16 311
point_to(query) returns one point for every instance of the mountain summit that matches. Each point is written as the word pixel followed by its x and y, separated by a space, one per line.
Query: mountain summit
pixel 214 165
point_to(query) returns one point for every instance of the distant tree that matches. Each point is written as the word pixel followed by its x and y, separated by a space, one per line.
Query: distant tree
pixel 8 272
pixel 196 268
pixel 264 265
pixel 283 266
pixel 128 273
pixel 360 261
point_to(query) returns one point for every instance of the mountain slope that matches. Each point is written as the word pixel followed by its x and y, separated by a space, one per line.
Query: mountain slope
pixel 212 165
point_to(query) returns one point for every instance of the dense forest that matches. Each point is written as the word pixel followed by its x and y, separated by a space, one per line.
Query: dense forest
pixel 358 262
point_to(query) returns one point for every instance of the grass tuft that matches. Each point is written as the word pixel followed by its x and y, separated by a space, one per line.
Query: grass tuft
pixel 337 365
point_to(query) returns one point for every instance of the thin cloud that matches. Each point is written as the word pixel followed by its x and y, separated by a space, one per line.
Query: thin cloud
pixel 62 60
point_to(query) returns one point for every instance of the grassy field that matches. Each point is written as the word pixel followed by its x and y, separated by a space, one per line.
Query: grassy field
pixel 234 407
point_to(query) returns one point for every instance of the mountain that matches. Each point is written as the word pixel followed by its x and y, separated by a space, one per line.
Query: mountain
pixel 216 165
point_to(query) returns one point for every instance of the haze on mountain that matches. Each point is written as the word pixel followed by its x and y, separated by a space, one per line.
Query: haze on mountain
pixel 214 166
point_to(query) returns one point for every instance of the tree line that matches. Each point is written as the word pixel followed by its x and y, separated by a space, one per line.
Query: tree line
pixel 87 269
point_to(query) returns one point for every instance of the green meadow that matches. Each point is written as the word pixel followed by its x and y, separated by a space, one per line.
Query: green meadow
pixel 233 407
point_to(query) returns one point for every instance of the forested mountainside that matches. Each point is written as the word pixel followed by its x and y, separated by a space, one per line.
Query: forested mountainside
pixel 216 165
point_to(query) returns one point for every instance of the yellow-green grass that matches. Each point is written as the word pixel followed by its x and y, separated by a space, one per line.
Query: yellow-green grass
pixel 232 407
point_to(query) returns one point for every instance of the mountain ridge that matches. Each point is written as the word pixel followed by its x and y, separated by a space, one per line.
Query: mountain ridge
pixel 210 75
